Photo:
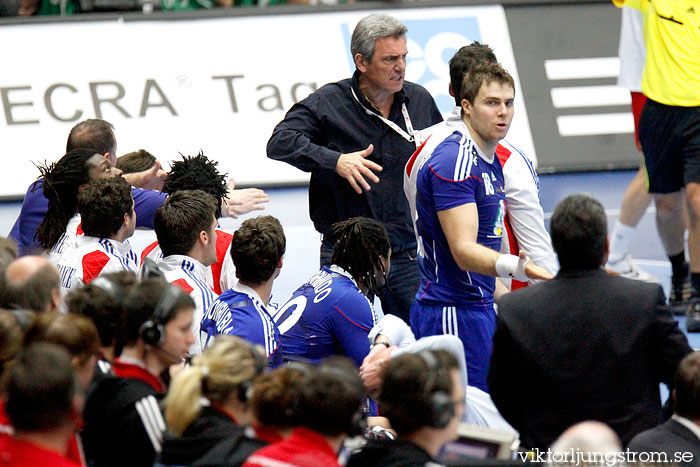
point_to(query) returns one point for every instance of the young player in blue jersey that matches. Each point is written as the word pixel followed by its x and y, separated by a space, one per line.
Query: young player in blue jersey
pixel 330 314
pixel 257 249
pixel 460 204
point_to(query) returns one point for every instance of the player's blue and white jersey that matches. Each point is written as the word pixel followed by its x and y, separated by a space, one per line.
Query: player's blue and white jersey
pixel 190 275
pixel 240 312
pixel 454 175
pixel 328 315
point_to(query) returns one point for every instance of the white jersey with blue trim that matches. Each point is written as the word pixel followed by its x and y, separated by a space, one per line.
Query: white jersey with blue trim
pixel 220 276
pixel 190 275
pixel 457 173
pixel 67 240
pixel 525 216
pixel 328 315
pixel 241 312
pixel 88 257
pixel 524 210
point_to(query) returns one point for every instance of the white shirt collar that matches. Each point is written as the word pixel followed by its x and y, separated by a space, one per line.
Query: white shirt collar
pixel 455 116
pixel 688 424
pixel 175 261
pixel 454 120
pixel 123 248
pixel 338 270
pixel 238 287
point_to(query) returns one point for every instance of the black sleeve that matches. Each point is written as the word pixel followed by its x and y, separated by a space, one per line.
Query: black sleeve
pixel 297 139
pixel 668 344
pixel 505 378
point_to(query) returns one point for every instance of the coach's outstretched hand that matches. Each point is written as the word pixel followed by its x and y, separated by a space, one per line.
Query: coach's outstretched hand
pixel 242 201
pixel 357 170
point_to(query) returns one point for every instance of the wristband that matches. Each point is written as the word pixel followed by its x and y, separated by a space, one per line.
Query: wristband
pixel 379 343
pixel 512 267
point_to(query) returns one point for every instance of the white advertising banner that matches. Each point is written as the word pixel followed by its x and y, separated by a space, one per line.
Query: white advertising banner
pixel 219 85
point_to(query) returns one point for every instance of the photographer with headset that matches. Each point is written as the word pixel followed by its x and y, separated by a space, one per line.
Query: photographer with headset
pixel 209 400
pixel 423 398
pixel 123 423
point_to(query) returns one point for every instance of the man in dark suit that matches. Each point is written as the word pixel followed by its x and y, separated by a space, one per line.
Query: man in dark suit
pixel 585 345
pixel 679 437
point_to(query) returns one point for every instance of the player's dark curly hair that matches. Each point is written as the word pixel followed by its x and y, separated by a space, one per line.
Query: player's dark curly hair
pixel 102 205
pixel 196 173
pixel 61 181
pixel 256 249
pixel 360 242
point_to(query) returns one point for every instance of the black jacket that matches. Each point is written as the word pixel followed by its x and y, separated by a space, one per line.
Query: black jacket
pixel 387 453
pixel 123 423
pixel 583 346
pixel 205 431
pixel 232 451
pixel 679 443
pixel 330 122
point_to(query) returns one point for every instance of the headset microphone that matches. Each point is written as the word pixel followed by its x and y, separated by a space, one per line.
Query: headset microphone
pixel 153 331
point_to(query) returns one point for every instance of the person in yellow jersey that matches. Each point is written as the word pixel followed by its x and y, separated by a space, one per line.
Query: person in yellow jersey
pixel 669 127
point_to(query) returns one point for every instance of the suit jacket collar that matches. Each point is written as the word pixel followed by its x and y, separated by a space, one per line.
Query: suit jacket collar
pixel 571 273
pixel 685 428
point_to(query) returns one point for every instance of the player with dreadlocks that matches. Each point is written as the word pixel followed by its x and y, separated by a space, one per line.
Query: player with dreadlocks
pixel 61 182
pixel 330 314
pixel 200 173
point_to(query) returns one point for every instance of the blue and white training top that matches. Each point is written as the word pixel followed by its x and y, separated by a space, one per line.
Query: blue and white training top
pixel 241 312
pixel 191 276
pixel 456 174
pixel 328 315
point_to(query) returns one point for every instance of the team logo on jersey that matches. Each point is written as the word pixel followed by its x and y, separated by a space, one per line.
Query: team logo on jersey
pixel 500 219
pixel 475 156
pixel 431 43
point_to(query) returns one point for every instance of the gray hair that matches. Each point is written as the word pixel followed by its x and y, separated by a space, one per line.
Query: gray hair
pixel 372 27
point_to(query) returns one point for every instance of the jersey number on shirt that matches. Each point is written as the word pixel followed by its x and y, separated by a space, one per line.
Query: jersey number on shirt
pixel 287 316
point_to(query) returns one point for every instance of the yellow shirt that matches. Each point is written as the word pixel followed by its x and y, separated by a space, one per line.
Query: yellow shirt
pixel 672 36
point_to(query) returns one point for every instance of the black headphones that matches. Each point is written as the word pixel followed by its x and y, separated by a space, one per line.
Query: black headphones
pixel 440 408
pixel 153 331
pixel 245 389
pixel 149 269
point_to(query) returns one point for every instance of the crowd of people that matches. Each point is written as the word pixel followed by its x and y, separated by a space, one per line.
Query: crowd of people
pixel 177 355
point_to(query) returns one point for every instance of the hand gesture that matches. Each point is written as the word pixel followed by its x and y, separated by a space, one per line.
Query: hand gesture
pixel 533 271
pixel 242 201
pixel 150 179
pixel 357 170
pixel 372 367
